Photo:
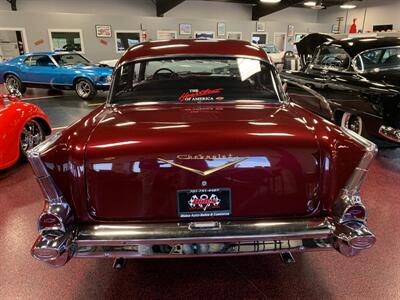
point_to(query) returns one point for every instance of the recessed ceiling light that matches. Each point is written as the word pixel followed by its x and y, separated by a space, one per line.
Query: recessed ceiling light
pixel 310 3
pixel 348 6
pixel 270 1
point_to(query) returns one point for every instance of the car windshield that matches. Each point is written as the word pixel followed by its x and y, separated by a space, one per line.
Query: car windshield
pixel 270 49
pixel 194 80
pixel 378 59
pixel 70 59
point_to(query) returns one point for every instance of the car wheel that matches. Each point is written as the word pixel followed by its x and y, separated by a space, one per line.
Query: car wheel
pixel 32 135
pixel 353 122
pixel 14 85
pixel 85 89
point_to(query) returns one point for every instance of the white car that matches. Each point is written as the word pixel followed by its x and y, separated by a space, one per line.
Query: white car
pixel 274 53
pixel 110 63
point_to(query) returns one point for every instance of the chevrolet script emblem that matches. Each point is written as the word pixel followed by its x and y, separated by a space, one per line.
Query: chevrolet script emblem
pixel 203 173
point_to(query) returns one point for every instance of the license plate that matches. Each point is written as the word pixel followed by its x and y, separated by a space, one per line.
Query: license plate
pixel 204 203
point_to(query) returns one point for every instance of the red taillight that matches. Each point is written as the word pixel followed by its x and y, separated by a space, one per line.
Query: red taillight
pixel 355 212
pixel 50 222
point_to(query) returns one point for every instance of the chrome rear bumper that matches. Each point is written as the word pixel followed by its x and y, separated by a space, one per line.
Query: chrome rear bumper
pixel 201 239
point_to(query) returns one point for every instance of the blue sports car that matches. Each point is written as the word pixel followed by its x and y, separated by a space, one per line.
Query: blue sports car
pixel 57 70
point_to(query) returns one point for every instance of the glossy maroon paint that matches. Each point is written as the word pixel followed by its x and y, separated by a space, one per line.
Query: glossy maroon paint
pixel 192 47
pixel 13 117
pixel 107 164
pixel 303 159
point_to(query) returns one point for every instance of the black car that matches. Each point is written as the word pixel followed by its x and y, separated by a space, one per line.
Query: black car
pixel 359 78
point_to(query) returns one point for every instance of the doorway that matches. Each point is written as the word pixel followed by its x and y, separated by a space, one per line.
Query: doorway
pixel 12 43
pixel 280 40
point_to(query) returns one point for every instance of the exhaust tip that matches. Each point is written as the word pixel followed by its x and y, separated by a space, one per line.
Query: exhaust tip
pixel 352 237
pixel 56 250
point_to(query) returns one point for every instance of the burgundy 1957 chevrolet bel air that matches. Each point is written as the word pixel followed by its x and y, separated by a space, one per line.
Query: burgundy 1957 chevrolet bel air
pixel 199 152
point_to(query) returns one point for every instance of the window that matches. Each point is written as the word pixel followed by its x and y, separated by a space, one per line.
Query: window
pixel 39 61
pixel 66 40
pixel 259 38
pixel 333 58
pixel 194 80
pixel 377 59
pixel 125 39
pixel 70 59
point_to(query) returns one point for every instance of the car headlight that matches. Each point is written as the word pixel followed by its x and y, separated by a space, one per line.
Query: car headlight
pixel 109 79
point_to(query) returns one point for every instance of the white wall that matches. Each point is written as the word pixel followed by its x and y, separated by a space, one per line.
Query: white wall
pixel 112 7
pixel 379 12
pixel 211 10
pixel 294 15
pixel 37 16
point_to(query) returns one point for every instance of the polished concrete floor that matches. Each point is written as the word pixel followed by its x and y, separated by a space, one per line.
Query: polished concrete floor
pixel 375 274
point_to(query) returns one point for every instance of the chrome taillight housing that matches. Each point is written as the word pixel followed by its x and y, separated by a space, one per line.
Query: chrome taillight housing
pixel 55 217
pixel 349 207
pixel 57 214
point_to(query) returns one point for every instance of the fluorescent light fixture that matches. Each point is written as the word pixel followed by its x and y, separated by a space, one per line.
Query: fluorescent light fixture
pixel 270 1
pixel 348 6
pixel 310 3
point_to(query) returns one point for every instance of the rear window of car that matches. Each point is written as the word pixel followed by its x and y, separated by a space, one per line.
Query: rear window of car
pixel 378 59
pixel 193 80
pixel 332 57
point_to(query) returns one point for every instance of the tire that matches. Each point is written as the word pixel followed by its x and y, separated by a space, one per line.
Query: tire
pixel 14 85
pixel 32 135
pixel 354 123
pixel 85 89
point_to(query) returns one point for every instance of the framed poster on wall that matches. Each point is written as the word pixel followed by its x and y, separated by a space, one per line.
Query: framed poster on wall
pixel 290 31
pixel 204 35
pixel 185 29
pixel 221 28
pixel 260 26
pixel 234 36
pixel 103 31
pixel 166 35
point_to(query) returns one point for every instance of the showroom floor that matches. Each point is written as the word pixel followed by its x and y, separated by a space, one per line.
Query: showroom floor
pixel 321 275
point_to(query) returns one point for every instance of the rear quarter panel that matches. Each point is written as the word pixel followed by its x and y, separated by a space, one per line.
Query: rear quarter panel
pixel 339 156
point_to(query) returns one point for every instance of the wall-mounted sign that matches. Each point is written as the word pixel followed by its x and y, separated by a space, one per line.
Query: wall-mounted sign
pixel 260 26
pixel 290 31
pixel 103 31
pixel 204 35
pixel 185 29
pixel 221 28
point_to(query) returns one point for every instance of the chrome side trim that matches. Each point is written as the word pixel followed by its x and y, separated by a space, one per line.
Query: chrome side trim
pixel 390 133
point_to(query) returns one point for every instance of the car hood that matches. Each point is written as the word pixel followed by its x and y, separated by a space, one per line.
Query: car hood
pixel 103 71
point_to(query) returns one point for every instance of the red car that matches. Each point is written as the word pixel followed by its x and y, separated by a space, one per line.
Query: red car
pixel 199 152
pixel 22 127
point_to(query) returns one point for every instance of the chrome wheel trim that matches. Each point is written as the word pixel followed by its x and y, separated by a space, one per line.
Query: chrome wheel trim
pixel 12 84
pixel 31 135
pixel 352 122
pixel 83 88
